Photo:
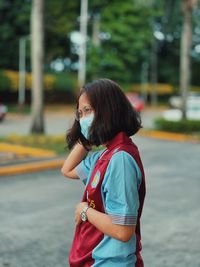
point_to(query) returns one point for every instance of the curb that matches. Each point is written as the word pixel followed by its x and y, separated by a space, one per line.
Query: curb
pixel 31 167
pixel 170 136
pixel 34 152
pixel 47 162
pixel 57 163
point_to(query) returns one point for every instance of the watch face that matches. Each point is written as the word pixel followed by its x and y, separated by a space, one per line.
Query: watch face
pixel 83 216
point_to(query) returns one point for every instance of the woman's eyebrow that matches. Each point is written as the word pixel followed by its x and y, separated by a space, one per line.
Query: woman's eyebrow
pixel 86 106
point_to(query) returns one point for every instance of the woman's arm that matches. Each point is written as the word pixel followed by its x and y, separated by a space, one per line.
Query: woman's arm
pixel 76 155
pixel 103 223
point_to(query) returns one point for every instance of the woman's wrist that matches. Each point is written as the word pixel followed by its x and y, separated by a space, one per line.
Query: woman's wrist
pixel 87 148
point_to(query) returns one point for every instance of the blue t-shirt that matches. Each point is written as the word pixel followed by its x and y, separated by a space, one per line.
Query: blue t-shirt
pixel 120 196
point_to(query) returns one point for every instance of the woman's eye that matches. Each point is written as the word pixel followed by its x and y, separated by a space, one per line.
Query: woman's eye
pixel 87 110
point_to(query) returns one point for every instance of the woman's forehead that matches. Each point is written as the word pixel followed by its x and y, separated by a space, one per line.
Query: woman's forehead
pixel 83 101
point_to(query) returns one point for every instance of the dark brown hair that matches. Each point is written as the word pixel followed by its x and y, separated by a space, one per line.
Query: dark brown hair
pixel 113 113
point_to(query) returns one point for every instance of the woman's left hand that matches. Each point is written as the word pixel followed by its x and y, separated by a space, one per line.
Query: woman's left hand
pixel 78 210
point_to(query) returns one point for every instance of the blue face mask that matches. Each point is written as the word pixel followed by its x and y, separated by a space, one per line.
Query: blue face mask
pixel 85 124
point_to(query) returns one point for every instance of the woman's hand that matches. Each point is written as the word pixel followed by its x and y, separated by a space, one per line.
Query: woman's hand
pixel 103 222
pixel 78 211
pixel 76 155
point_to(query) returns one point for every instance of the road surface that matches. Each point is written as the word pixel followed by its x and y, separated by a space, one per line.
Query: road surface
pixel 36 211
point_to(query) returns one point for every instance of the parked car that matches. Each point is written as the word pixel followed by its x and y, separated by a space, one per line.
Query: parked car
pixel 176 100
pixel 3 111
pixel 136 101
pixel 192 110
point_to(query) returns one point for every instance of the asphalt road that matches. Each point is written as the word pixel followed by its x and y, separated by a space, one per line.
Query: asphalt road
pixel 36 211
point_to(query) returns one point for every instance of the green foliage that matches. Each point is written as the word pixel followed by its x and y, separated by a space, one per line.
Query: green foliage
pixel 120 56
pixel 61 81
pixel 182 126
pixel 129 23
pixel 64 82
pixel 14 23
pixel 5 83
pixel 61 18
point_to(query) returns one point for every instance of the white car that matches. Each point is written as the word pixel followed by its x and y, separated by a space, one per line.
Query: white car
pixel 176 101
pixel 192 110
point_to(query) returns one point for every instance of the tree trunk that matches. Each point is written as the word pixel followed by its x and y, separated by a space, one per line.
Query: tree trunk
pixel 154 72
pixel 37 53
pixel 96 30
pixel 185 60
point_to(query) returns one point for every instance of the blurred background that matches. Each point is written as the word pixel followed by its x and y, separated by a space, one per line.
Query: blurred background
pixel 48 50
pixel 151 48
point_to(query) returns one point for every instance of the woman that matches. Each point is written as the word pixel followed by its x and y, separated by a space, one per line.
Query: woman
pixel 108 217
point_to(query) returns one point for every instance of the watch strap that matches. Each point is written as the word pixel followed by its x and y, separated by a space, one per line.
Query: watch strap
pixel 86 208
pixel 84 213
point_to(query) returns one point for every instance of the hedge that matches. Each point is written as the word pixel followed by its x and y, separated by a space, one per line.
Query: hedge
pixel 161 89
pixel 5 82
pixel 182 126
pixel 67 81
pixel 9 80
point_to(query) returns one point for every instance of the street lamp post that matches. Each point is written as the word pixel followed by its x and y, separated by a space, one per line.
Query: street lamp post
pixel 154 71
pixel 144 80
pixel 82 51
pixel 22 70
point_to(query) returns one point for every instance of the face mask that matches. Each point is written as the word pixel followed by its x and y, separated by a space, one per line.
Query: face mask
pixel 85 124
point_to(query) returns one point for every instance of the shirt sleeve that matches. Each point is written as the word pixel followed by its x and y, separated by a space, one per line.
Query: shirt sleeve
pixel 123 178
pixel 85 167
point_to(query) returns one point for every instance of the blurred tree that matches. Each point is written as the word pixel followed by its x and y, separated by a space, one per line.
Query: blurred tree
pixel 61 18
pixel 185 57
pixel 124 41
pixel 37 39
pixel 195 53
pixel 165 24
pixel 14 23
pixel 171 24
pixel 120 37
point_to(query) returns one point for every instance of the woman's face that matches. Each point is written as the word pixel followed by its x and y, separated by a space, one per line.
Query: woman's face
pixel 84 107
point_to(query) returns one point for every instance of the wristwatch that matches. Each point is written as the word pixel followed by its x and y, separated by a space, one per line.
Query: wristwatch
pixel 83 213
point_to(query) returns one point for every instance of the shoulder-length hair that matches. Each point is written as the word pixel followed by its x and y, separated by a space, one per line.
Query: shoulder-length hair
pixel 113 113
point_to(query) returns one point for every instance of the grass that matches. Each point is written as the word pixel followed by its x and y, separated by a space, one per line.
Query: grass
pixel 54 143
pixel 16 109
pixel 50 142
